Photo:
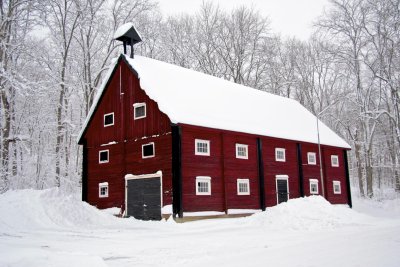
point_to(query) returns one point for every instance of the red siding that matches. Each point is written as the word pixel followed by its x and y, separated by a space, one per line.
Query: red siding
pixel 310 171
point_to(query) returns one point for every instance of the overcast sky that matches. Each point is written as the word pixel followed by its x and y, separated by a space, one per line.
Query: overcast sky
pixel 289 17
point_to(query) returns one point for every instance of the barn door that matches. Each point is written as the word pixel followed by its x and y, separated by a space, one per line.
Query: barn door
pixel 143 197
pixel 282 188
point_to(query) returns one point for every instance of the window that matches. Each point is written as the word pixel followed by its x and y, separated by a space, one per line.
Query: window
pixel 336 187
pixel 280 154
pixel 148 150
pixel 243 187
pixel 313 186
pixel 109 119
pixel 335 161
pixel 103 189
pixel 203 185
pixel 202 147
pixel 103 156
pixel 312 158
pixel 241 151
pixel 139 111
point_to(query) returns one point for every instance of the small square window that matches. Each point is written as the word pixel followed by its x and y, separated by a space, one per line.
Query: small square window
pixel 109 119
pixel 243 187
pixel 139 111
pixel 280 154
pixel 103 156
pixel 203 185
pixel 241 151
pixel 313 186
pixel 335 161
pixel 103 189
pixel 336 187
pixel 312 158
pixel 148 150
pixel 202 147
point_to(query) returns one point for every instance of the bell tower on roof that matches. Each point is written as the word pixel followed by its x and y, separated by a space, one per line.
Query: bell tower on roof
pixel 128 35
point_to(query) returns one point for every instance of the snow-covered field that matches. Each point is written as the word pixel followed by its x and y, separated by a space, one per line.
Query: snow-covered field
pixel 48 228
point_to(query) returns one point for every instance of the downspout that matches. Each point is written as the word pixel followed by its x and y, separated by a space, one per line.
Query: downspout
pixel 223 173
pixel 261 173
pixel 123 137
pixel 300 168
pixel 346 170
pixel 177 205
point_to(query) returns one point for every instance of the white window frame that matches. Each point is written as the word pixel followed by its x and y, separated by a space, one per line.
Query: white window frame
pixel 246 148
pixel 154 151
pixel 138 105
pixel 243 181
pixel 101 186
pixel 108 156
pixel 104 119
pixel 312 182
pixel 340 187
pixel 204 179
pixel 315 158
pixel 337 160
pixel 198 141
pixel 283 150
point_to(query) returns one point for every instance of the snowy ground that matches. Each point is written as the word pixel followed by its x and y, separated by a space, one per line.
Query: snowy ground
pixel 47 228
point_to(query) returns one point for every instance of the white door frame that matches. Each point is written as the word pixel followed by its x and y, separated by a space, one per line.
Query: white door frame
pixel 285 178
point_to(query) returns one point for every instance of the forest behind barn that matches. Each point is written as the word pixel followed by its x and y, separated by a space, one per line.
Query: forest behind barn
pixel 54 53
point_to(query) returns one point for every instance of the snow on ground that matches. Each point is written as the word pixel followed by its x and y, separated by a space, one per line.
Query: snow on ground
pixel 48 228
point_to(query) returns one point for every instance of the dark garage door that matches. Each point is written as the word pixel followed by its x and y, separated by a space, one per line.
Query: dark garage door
pixel 144 198
pixel 282 193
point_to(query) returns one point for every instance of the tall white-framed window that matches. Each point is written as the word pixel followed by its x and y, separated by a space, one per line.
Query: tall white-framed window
pixel 148 150
pixel 103 189
pixel 139 111
pixel 242 151
pixel 202 147
pixel 335 160
pixel 336 187
pixel 280 154
pixel 312 158
pixel 313 186
pixel 109 119
pixel 203 185
pixel 104 156
pixel 243 187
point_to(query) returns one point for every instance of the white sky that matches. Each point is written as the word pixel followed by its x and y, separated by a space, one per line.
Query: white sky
pixel 288 17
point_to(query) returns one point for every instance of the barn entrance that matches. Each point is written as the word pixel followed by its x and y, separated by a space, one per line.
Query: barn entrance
pixel 143 196
pixel 282 188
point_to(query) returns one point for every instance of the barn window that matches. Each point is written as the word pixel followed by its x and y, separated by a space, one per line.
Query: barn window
pixel 108 119
pixel 280 154
pixel 103 189
pixel 202 147
pixel 103 156
pixel 241 151
pixel 336 187
pixel 313 186
pixel 139 111
pixel 243 187
pixel 203 185
pixel 335 161
pixel 148 150
pixel 312 158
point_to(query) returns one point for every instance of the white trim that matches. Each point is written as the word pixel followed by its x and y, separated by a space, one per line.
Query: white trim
pixel 243 181
pixel 315 158
pixel 337 160
pixel 138 105
pixel 278 149
pixel 314 182
pixel 340 187
pixel 142 176
pixel 206 179
pixel 104 119
pixel 281 177
pixel 198 141
pixel 154 150
pixel 246 147
pixel 108 156
pixel 103 185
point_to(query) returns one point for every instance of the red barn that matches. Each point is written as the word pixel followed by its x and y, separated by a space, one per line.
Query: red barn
pixel 158 134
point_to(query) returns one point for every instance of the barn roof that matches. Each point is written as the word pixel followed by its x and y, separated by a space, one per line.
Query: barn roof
pixel 194 98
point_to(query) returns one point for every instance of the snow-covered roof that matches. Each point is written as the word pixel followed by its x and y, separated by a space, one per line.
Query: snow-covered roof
pixel 123 29
pixel 194 98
